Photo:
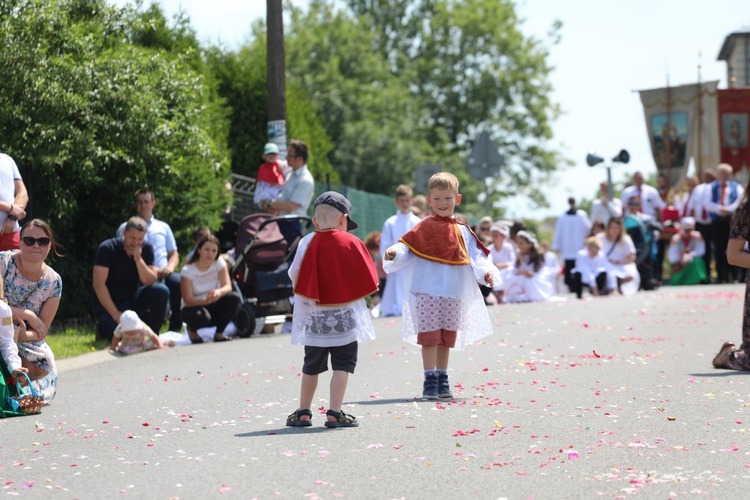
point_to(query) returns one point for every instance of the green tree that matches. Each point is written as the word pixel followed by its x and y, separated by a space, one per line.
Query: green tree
pixel 241 77
pixel 373 120
pixel 90 115
pixel 471 67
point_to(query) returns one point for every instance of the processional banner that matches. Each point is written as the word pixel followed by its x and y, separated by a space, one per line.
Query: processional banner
pixel 734 109
pixel 681 124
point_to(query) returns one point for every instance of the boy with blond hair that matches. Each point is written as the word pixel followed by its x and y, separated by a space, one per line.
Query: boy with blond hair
pixel 443 261
pixel 395 227
pixel 332 273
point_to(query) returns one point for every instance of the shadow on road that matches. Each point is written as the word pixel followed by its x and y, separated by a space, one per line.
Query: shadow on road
pixel 285 431
pixel 723 373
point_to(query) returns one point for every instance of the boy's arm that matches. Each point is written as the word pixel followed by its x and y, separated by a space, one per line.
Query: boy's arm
pixel 481 264
pixel 401 258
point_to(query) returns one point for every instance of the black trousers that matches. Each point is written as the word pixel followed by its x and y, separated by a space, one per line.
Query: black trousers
pixel 569 265
pixel 577 285
pixel 720 236
pixel 217 314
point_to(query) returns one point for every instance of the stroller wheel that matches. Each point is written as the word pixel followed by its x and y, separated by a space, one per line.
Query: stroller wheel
pixel 244 320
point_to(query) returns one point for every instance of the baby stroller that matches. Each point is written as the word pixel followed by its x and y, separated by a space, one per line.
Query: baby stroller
pixel 262 260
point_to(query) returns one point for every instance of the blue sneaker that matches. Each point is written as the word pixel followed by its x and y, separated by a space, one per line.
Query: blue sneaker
pixel 430 389
pixel 444 387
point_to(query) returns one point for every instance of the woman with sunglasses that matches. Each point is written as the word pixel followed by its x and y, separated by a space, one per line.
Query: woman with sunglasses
pixel 33 291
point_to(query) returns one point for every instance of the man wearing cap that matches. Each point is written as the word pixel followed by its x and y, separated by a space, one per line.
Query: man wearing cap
pixel 297 193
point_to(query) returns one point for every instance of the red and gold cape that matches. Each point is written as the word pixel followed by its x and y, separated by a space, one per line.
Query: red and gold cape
pixel 438 239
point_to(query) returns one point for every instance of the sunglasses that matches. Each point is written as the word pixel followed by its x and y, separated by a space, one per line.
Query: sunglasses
pixel 484 228
pixel 29 241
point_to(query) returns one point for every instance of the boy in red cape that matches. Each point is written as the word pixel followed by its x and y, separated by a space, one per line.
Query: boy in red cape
pixel 444 308
pixel 332 273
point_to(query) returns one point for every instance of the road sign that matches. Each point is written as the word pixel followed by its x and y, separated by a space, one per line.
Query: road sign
pixel 484 160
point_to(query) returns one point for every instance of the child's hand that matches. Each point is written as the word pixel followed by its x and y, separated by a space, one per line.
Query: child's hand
pixel 18 371
pixel 489 279
pixel 390 254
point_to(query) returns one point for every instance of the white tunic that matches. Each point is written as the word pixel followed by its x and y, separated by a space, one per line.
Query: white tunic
pixel 393 295
pixel 326 326
pixel 617 252
pixel 590 267
pixel 505 255
pixel 571 231
pixel 456 285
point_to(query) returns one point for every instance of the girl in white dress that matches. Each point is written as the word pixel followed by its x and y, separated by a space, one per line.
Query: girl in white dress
pixel 619 250
pixel 530 280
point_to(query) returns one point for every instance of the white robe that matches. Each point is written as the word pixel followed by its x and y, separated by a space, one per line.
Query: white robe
pixel 446 281
pixel 393 295
pixel 619 253
pixel 520 288
pixel 505 255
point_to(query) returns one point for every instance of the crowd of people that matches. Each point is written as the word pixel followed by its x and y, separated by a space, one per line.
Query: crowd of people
pixel 427 264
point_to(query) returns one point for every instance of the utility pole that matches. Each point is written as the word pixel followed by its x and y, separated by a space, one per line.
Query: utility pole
pixel 276 79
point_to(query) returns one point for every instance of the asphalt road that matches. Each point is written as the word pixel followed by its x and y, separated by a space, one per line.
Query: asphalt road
pixel 572 399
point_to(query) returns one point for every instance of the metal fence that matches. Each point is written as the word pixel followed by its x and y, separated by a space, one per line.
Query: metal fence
pixel 369 210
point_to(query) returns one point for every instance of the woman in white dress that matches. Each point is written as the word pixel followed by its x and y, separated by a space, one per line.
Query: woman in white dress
pixel 530 278
pixel 619 250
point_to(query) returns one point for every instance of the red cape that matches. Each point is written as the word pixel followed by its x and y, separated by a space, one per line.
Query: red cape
pixel 336 269
pixel 270 173
pixel 438 239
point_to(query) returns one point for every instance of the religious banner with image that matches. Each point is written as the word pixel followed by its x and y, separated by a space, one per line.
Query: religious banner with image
pixel 734 113
pixel 681 126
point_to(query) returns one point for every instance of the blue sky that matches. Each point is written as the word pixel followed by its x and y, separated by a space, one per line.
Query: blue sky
pixel 608 50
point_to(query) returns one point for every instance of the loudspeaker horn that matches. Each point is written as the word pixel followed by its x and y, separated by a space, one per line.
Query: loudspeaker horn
pixel 592 159
pixel 622 157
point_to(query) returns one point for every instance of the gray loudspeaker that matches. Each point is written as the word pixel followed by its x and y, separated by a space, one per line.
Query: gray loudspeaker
pixel 622 157
pixel 592 159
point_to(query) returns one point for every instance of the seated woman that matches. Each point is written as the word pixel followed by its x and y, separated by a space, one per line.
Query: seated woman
pixel 207 296
pixel 590 270
pixel 529 281
pixel 619 250
pixel 685 254
pixel 33 290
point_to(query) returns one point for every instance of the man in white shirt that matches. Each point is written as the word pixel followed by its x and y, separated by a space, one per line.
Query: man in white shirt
pixel 723 197
pixel 603 209
pixel 571 230
pixel 651 202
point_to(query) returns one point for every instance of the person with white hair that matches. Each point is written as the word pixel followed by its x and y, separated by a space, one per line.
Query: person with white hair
pixel 685 254
pixel 722 199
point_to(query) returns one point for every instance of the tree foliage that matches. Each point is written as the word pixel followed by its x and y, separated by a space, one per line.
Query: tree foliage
pixel 241 77
pixel 90 114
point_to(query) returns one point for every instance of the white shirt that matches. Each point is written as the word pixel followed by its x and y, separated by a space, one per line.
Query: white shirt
pixel 701 194
pixel 8 175
pixel 603 212
pixel 571 231
pixel 590 267
pixel 8 347
pixel 651 202
pixel 203 281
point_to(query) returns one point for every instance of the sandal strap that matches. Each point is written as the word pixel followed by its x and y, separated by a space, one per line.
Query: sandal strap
pixel 295 415
pixel 341 416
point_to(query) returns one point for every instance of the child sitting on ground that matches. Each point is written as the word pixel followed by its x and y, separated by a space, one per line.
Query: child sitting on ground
pixel 8 339
pixel 443 308
pixel 332 273
pixel 270 178
pixel 133 336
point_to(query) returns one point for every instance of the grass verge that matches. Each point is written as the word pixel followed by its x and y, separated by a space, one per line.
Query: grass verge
pixel 72 342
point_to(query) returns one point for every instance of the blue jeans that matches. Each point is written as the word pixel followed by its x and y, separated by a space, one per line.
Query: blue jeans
pixel 149 302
